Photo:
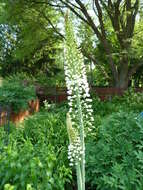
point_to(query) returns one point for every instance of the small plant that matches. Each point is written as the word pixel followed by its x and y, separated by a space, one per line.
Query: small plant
pixel 79 117
pixel 8 187
pixel 48 105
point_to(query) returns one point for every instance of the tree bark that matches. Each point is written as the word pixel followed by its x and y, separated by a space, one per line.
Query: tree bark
pixel 123 72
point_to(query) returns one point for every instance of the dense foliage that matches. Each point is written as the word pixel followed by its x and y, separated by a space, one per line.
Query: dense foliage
pixel 15 94
pixel 130 101
pixel 109 34
pixel 114 158
pixel 36 156
pixel 28 42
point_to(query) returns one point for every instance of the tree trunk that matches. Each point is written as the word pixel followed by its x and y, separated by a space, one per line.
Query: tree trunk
pixel 123 79
pixel 122 83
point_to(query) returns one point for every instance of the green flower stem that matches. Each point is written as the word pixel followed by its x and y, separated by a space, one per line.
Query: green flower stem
pixel 81 140
pixel 79 176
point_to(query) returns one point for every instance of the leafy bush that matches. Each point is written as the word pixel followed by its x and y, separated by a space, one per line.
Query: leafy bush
pixel 114 160
pixel 16 95
pixel 48 126
pixel 128 102
pixel 104 108
pixel 132 100
pixel 20 77
pixel 36 157
pixel 55 79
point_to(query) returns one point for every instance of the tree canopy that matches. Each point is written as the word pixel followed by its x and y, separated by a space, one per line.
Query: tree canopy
pixel 36 43
pixel 110 33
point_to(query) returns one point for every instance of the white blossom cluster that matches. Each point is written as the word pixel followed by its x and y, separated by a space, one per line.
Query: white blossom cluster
pixel 82 91
pixel 74 152
pixel 77 87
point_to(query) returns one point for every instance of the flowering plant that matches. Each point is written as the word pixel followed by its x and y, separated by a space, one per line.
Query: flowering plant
pixel 79 117
pixel 48 105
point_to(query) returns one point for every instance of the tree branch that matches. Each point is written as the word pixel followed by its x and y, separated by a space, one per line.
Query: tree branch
pixel 52 25
pixel 74 11
pixel 47 3
pixel 74 6
pixel 100 17
pixel 90 57
pixel 131 17
pixel 93 6
pixel 90 21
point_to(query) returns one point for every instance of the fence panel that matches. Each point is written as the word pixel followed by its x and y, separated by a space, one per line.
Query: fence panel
pixel 59 94
pixel 5 118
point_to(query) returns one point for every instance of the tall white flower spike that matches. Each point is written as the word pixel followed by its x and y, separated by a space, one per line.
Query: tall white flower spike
pixel 79 118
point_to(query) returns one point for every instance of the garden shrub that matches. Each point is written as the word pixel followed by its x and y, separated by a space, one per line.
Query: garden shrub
pixel 36 156
pixel 48 126
pixel 16 95
pixel 50 81
pixel 114 159
pixel 104 108
pixel 132 100
pixel 128 102
pixel 20 77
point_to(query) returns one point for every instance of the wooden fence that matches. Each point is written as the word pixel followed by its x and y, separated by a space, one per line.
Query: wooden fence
pixel 59 94
pixel 5 117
